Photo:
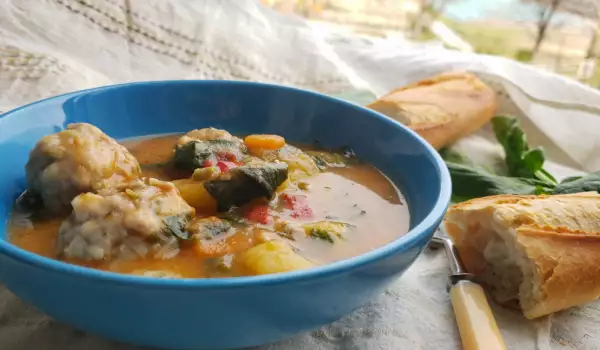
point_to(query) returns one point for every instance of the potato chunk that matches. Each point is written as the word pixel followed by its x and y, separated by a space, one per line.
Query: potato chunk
pixel 144 219
pixel 196 195
pixel 79 159
pixel 273 257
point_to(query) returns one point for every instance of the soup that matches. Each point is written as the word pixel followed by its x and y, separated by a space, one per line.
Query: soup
pixel 203 204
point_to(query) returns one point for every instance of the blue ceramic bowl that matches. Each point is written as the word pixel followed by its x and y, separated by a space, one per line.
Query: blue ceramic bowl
pixel 228 312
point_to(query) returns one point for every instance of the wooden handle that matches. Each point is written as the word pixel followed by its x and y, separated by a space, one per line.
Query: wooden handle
pixel 476 323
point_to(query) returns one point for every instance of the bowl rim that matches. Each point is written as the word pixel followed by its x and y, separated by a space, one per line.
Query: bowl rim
pixel 402 243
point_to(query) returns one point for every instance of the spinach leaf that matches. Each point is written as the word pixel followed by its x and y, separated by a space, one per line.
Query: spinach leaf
pixel 570 178
pixel 521 161
pixel 587 183
pixel 471 182
pixel 526 175
pixel 193 154
pixel 176 225
pixel 241 185
pixel 453 156
pixel 209 227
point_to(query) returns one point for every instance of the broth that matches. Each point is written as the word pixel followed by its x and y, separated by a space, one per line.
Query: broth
pixel 355 196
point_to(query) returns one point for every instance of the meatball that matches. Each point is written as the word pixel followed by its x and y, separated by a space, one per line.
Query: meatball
pixel 207 134
pixel 79 159
pixel 145 218
pixel 207 147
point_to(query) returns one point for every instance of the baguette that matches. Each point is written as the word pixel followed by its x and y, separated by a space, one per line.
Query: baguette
pixel 539 253
pixel 441 109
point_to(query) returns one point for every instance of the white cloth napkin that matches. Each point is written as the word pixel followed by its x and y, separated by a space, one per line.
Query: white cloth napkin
pixel 55 46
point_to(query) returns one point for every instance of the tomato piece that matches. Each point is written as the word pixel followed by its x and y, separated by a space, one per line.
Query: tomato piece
pixel 227 156
pixel 226 166
pixel 207 163
pixel 302 212
pixel 258 213
pixel 298 204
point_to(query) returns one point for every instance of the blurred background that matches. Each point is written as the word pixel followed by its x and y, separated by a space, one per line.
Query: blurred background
pixel 556 35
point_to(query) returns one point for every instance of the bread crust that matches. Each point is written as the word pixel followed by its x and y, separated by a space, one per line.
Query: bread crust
pixel 559 235
pixel 443 108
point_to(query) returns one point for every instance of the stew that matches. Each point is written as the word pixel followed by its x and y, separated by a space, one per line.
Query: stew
pixel 203 204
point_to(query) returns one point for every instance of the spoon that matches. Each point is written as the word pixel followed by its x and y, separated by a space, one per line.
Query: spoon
pixel 474 318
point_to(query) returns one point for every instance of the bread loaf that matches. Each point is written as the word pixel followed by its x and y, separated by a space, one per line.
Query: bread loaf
pixel 441 109
pixel 539 253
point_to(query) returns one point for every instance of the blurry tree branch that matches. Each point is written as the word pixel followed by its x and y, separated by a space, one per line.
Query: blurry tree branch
pixel 435 7
pixel 545 12
pixel 591 51
pixel 429 10
pixel 546 9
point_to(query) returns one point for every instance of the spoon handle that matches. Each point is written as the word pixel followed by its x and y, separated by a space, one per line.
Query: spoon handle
pixel 476 323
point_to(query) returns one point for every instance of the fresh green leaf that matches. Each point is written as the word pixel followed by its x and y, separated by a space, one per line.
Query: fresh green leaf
pixel 569 179
pixel 545 176
pixel 470 182
pixel 454 156
pixel 533 160
pixel 521 161
pixel 587 183
pixel 526 174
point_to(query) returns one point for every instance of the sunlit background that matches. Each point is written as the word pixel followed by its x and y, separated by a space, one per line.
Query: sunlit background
pixel 556 35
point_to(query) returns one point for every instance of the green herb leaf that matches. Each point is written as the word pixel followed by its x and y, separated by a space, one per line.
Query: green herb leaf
pixel 320 162
pixel 321 234
pixel 470 182
pixel 286 234
pixel 587 183
pixel 521 161
pixel 234 219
